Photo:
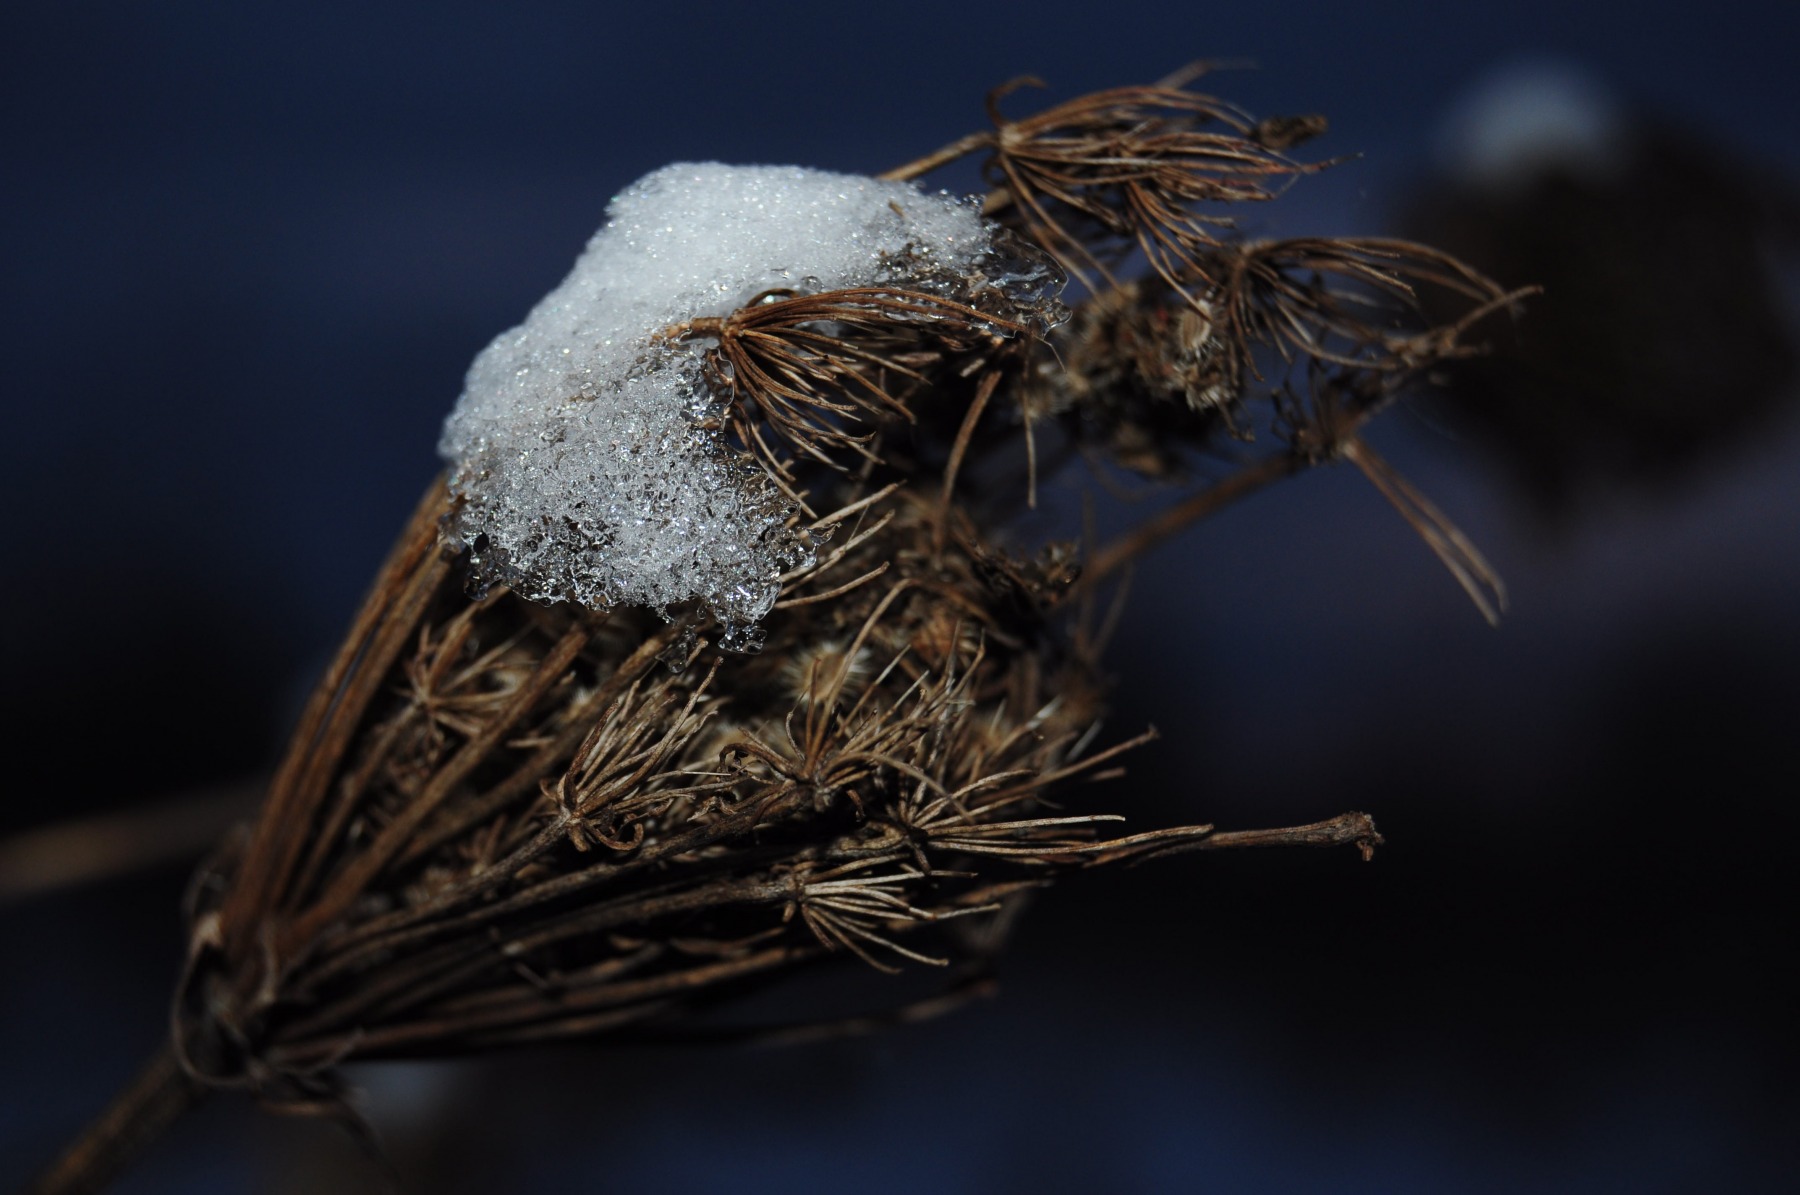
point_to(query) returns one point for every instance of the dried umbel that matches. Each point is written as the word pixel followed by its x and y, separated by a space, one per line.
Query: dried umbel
pixel 1143 167
pixel 502 821
pixel 799 373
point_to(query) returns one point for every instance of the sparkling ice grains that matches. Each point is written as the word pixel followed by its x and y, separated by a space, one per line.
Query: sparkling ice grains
pixel 581 454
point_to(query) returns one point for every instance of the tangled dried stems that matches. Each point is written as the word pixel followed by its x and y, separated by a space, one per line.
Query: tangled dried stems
pixel 502 822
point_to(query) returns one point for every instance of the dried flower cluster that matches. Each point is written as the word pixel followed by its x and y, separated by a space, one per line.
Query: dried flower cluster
pixel 504 822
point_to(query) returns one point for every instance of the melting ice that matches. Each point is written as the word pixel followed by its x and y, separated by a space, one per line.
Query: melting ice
pixel 581 472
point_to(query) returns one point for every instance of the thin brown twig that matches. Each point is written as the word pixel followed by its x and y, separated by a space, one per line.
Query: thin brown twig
pixel 83 850
pixel 275 843
pixel 140 1113
pixel 1172 521
pixel 962 147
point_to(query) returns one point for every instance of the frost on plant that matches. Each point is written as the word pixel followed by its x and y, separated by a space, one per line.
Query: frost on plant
pixel 586 452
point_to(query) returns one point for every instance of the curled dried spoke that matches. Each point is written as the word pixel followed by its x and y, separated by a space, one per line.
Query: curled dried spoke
pixel 861 912
pixel 1131 167
pixel 808 373
pixel 1344 301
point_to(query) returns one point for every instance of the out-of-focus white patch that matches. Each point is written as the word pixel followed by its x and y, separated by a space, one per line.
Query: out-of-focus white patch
pixel 1530 117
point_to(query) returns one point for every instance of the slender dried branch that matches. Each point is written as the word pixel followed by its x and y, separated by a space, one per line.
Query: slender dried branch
pixel 105 845
pixel 405 582
pixel 1176 519
pixel 1454 549
pixel 159 1094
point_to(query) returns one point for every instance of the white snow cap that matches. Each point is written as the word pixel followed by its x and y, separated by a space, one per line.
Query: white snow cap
pixel 576 448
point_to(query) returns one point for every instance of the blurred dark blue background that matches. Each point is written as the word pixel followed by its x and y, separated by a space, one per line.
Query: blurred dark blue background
pixel 250 250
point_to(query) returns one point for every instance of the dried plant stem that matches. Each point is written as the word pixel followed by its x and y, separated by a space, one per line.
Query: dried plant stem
pixel 1346 829
pixel 139 1115
pixel 1457 552
pixel 115 843
pixel 375 639
pixel 961 447
pixel 1171 522
pixel 348 886
pixel 960 148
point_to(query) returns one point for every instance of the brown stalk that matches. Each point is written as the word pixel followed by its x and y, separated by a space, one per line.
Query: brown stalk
pixel 104 845
pixel 1454 549
pixel 1332 438
pixel 138 1115
pixel 1176 519
pixel 335 900
pixel 323 734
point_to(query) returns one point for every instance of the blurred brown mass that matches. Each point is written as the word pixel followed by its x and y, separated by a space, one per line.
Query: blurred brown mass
pixel 1661 337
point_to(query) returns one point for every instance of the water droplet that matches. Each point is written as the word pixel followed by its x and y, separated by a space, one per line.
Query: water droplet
pixel 675 657
pixel 743 638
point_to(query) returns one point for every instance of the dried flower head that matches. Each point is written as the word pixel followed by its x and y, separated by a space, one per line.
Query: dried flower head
pixel 1150 167
pixel 505 820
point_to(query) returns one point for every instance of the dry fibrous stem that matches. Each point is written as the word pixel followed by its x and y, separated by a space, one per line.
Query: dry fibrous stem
pixel 166 830
pixel 502 822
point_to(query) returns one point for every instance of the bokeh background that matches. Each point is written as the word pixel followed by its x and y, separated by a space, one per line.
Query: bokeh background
pixel 250 249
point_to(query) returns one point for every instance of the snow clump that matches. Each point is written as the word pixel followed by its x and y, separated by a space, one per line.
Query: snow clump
pixel 585 458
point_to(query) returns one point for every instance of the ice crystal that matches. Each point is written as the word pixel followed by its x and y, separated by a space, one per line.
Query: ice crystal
pixel 582 453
